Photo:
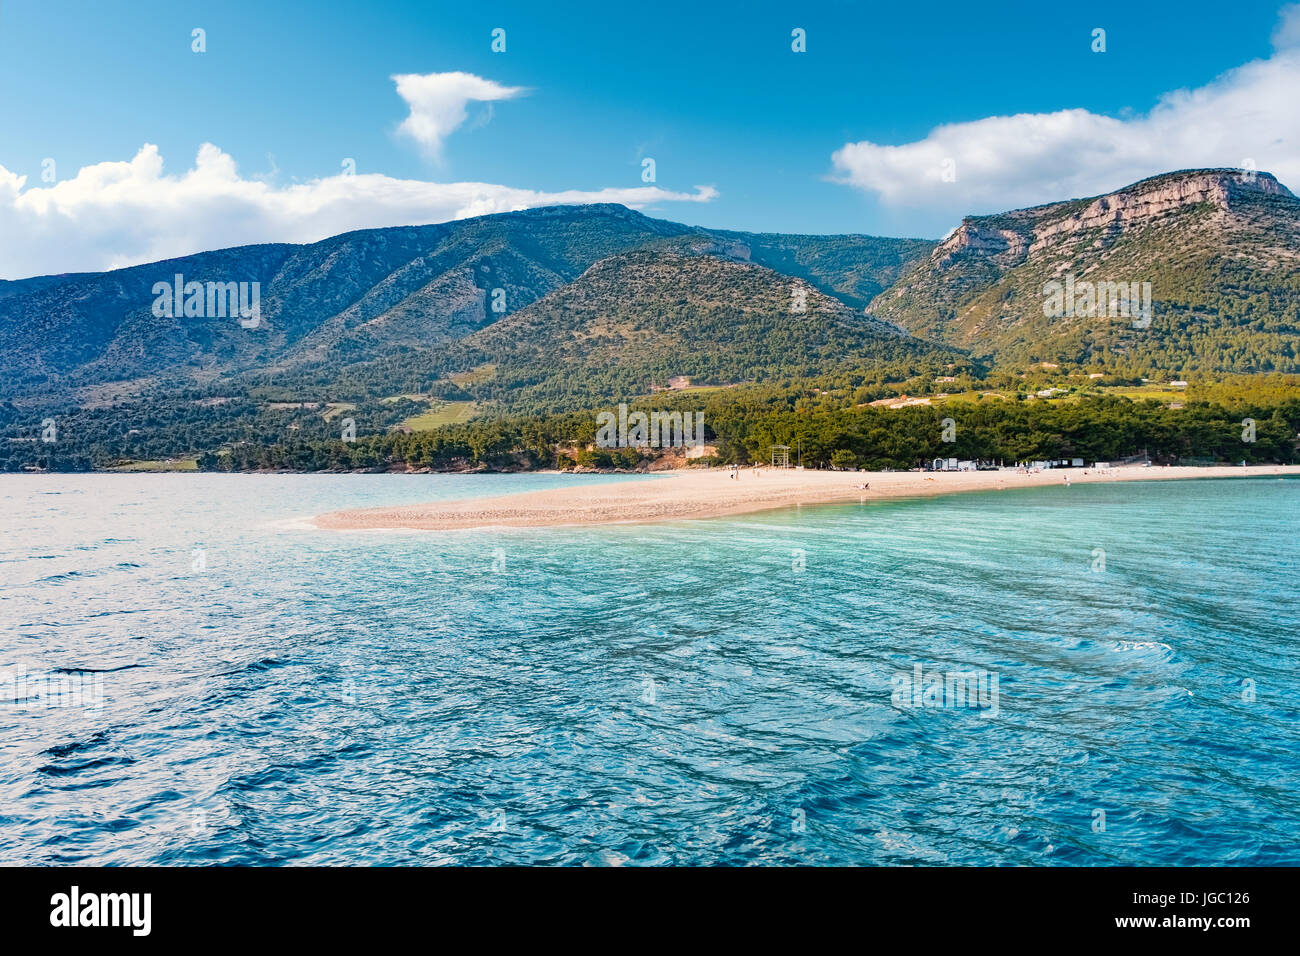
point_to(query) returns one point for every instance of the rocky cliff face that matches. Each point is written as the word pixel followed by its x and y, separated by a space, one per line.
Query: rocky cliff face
pixel 1152 199
pixel 1011 237
pixel 1006 246
pixel 1212 242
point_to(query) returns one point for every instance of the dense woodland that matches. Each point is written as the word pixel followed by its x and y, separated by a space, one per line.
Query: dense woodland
pixel 742 424
pixel 778 339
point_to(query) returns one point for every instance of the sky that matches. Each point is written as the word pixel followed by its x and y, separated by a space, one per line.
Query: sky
pixel 126 137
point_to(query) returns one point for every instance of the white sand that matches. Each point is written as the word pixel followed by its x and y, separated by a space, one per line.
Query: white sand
pixel 709 493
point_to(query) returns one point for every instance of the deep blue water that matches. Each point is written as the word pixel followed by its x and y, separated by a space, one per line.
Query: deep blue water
pixel 719 691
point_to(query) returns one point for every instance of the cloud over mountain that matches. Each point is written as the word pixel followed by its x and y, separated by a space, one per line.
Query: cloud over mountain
pixel 115 214
pixel 1246 117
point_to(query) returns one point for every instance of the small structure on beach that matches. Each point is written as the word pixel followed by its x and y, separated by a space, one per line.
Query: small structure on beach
pixel 780 456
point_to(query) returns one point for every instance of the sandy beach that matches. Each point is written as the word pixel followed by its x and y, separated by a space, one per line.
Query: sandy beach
pixel 712 493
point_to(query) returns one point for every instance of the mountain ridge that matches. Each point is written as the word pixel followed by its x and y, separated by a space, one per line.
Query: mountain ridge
pixel 1220 249
pixel 339 300
pixel 1206 240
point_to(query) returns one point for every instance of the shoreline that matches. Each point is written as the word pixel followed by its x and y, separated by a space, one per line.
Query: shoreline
pixel 713 493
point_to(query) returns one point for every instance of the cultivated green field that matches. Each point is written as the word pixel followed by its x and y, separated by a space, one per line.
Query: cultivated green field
pixel 335 409
pixel 439 414
pixel 480 374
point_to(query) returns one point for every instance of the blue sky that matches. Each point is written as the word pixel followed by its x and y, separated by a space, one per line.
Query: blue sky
pixel 716 97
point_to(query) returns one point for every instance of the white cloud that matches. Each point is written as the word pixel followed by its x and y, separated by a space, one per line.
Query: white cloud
pixel 438 103
pixel 123 213
pixel 1004 162
pixel 1287 34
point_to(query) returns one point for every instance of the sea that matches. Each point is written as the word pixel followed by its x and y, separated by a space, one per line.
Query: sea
pixel 190 674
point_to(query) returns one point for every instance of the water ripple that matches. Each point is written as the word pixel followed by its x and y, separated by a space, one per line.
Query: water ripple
pixel 688 693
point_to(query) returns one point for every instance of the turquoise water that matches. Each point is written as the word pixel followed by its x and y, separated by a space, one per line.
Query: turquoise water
pixel 721 691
